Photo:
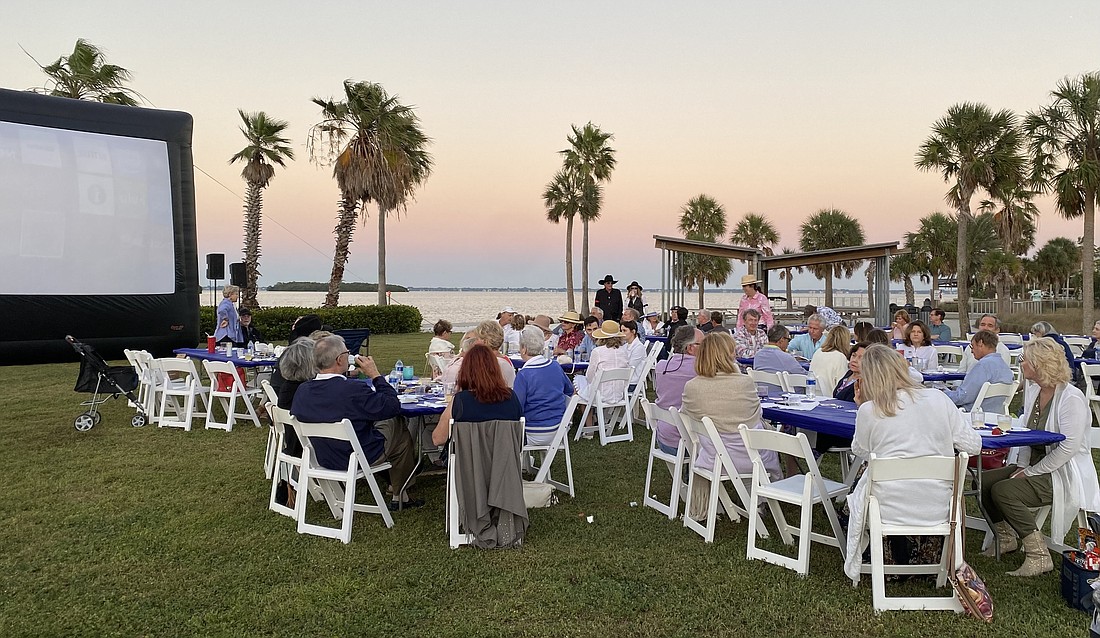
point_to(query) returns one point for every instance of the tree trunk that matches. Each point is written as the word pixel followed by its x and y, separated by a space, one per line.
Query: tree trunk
pixel 383 299
pixel 253 204
pixel 910 292
pixel 571 301
pixel 1001 286
pixel 829 288
pixel 345 226
pixel 1088 243
pixel 790 302
pixel 935 289
pixel 962 270
pixel 584 268
pixel 701 304
pixel 871 273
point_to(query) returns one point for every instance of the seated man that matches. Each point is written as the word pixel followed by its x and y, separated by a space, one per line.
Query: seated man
pixel 941 332
pixel 332 397
pixel 773 356
pixel 704 322
pixel 992 324
pixel 804 346
pixel 989 367
pixel 249 333
pixel 749 336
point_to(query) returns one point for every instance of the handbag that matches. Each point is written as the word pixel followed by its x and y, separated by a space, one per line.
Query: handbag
pixel 969 587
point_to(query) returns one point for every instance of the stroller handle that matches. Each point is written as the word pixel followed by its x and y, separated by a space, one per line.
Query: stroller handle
pixel 70 339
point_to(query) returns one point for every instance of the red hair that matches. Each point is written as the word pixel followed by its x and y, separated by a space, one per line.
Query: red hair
pixel 480 374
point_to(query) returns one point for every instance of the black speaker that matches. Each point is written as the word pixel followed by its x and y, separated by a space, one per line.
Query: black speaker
pixel 236 274
pixel 215 266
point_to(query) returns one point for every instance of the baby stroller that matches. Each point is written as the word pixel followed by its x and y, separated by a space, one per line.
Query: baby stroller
pixel 96 375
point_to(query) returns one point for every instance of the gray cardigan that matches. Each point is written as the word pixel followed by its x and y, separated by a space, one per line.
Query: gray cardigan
pixel 489 482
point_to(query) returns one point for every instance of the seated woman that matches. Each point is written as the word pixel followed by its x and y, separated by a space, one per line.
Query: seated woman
pixel 296 366
pixel 917 344
pixel 748 335
pixel 542 387
pixel 572 333
pixel 845 389
pixel 511 337
pixel 1061 475
pixel 481 394
pixel 830 362
pixel 729 398
pixel 607 355
pixel 635 351
pixel 898 418
pixel 1090 351
pixel 1046 329
pixel 492 335
pixel 441 342
pixel 652 326
pixel 901 319
pixel 862 330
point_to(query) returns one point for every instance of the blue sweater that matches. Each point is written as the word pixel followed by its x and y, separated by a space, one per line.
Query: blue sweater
pixel 330 400
pixel 991 368
pixel 543 390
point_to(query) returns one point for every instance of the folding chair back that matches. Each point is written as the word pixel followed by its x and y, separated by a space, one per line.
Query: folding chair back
pixel 795 382
pixel 341 502
pixel 607 411
pixel 885 470
pixel 152 382
pixel 675 462
pixel 186 385
pixel 1010 338
pixel 1090 374
pixel 217 371
pixel 990 390
pixel 560 443
pixel 774 379
pixel 804 490
pixel 949 356
pixel 456 537
pixel 702 432
pixel 659 347
pixel 1077 345
pixel 273 441
pixel 644 368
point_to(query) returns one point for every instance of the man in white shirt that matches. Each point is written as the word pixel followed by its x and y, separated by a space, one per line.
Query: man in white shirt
pixel 804 346
pixel 992 324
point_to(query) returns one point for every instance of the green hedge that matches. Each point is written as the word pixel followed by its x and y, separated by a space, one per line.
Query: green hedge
pixel 275 323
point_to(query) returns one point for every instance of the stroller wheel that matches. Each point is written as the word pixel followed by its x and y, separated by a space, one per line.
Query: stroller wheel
pixel 84 422
pixel 138 420
pixel 96 416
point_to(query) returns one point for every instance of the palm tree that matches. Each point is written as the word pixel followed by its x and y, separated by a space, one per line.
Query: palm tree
pixel 703 219
pixel 903 268
pixel 378 153
pixel 266 147
pixel 831 228
pixel 1056 261
pixel 755 231
pixel 564 197
pixel 1003 269
pixel 975 148
pixel 933 246
pixel 786 274
pixel 85 75
pixel 1064 140
pixel 593 160
pixel 1013 215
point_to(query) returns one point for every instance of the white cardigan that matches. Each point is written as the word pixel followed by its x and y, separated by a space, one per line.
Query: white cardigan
pixel 828 367
pixel 1069 462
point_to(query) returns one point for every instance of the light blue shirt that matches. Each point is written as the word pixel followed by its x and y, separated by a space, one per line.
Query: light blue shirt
pixel 991 368
pixel 804 346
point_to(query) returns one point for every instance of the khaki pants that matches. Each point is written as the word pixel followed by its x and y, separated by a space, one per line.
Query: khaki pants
pixel 1011 499
pixel 400 452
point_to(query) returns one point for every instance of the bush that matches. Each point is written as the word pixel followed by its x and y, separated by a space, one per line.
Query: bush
pixel 275 322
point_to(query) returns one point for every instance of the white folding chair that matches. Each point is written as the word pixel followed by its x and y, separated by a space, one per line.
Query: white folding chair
pixel 674 462
pixel 560 443
pixel 774 379
pixel 186 385
pixel 284 466
pixel 879 471
pixel 643 370
pixel 228 398
pixel 436 364
pixel 804 490
pixel 1010 338
pixel 990 390
pixel 659 347
pixel 795 382
pixel 152 382
pixel 456 537
pixel 720 470
pixel 341 501
pixel 272 443
pixel 607 411
pixel 1077 345
pixel 1090 372
pixel 949 356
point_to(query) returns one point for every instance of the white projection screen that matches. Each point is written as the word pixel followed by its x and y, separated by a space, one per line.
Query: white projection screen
pixel 84 213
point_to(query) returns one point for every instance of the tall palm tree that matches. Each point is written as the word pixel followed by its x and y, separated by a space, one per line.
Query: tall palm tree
pixel 266 147
pixel 703 219
pixel 755 231
pixel 85 75
pixel 787 274
pixel 379 154
pixel 975 148
pixel 564 197
pixel 871 272
pixel 1056 261
pixel 831 228
pixel 1003 269
pixel 903 268
pixel 933 246
pixel 1064 140
pixel 1013 213
pixel 593 160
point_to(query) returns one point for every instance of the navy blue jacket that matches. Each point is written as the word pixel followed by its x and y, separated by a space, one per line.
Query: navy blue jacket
pixel 336 398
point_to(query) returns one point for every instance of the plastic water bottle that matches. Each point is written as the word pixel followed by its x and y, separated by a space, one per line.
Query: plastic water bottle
pixel 251 349
pixel 399 369
pixel 811 384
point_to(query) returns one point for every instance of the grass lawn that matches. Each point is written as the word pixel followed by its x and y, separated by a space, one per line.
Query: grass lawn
pixel 124 531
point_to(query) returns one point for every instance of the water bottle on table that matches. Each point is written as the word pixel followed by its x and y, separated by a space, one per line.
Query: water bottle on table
pixel 811 385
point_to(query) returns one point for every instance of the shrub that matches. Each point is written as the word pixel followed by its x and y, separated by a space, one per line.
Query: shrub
pixel 275 322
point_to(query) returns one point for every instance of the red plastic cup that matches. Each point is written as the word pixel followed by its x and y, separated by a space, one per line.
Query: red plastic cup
pixel 210 345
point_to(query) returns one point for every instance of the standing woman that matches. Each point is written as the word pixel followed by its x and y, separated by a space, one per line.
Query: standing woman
pixel 1060 475
pixel 634 298
pixel 756 300
pixel 228 321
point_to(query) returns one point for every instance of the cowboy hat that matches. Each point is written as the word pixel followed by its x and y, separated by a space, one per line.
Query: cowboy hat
pixel 571 317
pixel 607 330
pixel 748 280
pixel 634 284
pixel 542 321
pixel 607 279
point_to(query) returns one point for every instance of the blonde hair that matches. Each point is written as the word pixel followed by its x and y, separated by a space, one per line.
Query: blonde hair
pixel 903 314
pixel 884 375
pixel 518 322
pixel 491 333
pixel 716 354
pixel 229 290
pixel 1048 359
pixel 839 340
pixel 610 342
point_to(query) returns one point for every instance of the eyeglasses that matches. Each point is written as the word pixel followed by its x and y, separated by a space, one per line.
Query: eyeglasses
pixel 347 352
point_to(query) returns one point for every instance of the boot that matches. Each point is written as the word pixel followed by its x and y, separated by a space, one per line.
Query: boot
pixel 1006 538
pixel 1037 558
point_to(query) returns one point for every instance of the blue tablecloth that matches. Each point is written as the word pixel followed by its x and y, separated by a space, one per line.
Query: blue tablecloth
pixel 426 405
pixel 656 338
pixel 202 354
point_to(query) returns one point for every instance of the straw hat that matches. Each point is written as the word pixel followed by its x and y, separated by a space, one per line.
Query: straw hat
pixel 571 317
pixel 542 321
pixel 607 330
pixel 748 280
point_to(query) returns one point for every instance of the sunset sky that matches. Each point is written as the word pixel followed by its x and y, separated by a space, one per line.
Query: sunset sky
pixel 775 108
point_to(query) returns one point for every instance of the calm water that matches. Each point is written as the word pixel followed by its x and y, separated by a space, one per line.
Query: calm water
pixel 467 308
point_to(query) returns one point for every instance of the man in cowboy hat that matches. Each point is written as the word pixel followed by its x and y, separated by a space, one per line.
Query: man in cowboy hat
pixel 572 333
pixel 755 299
pixel 610 299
